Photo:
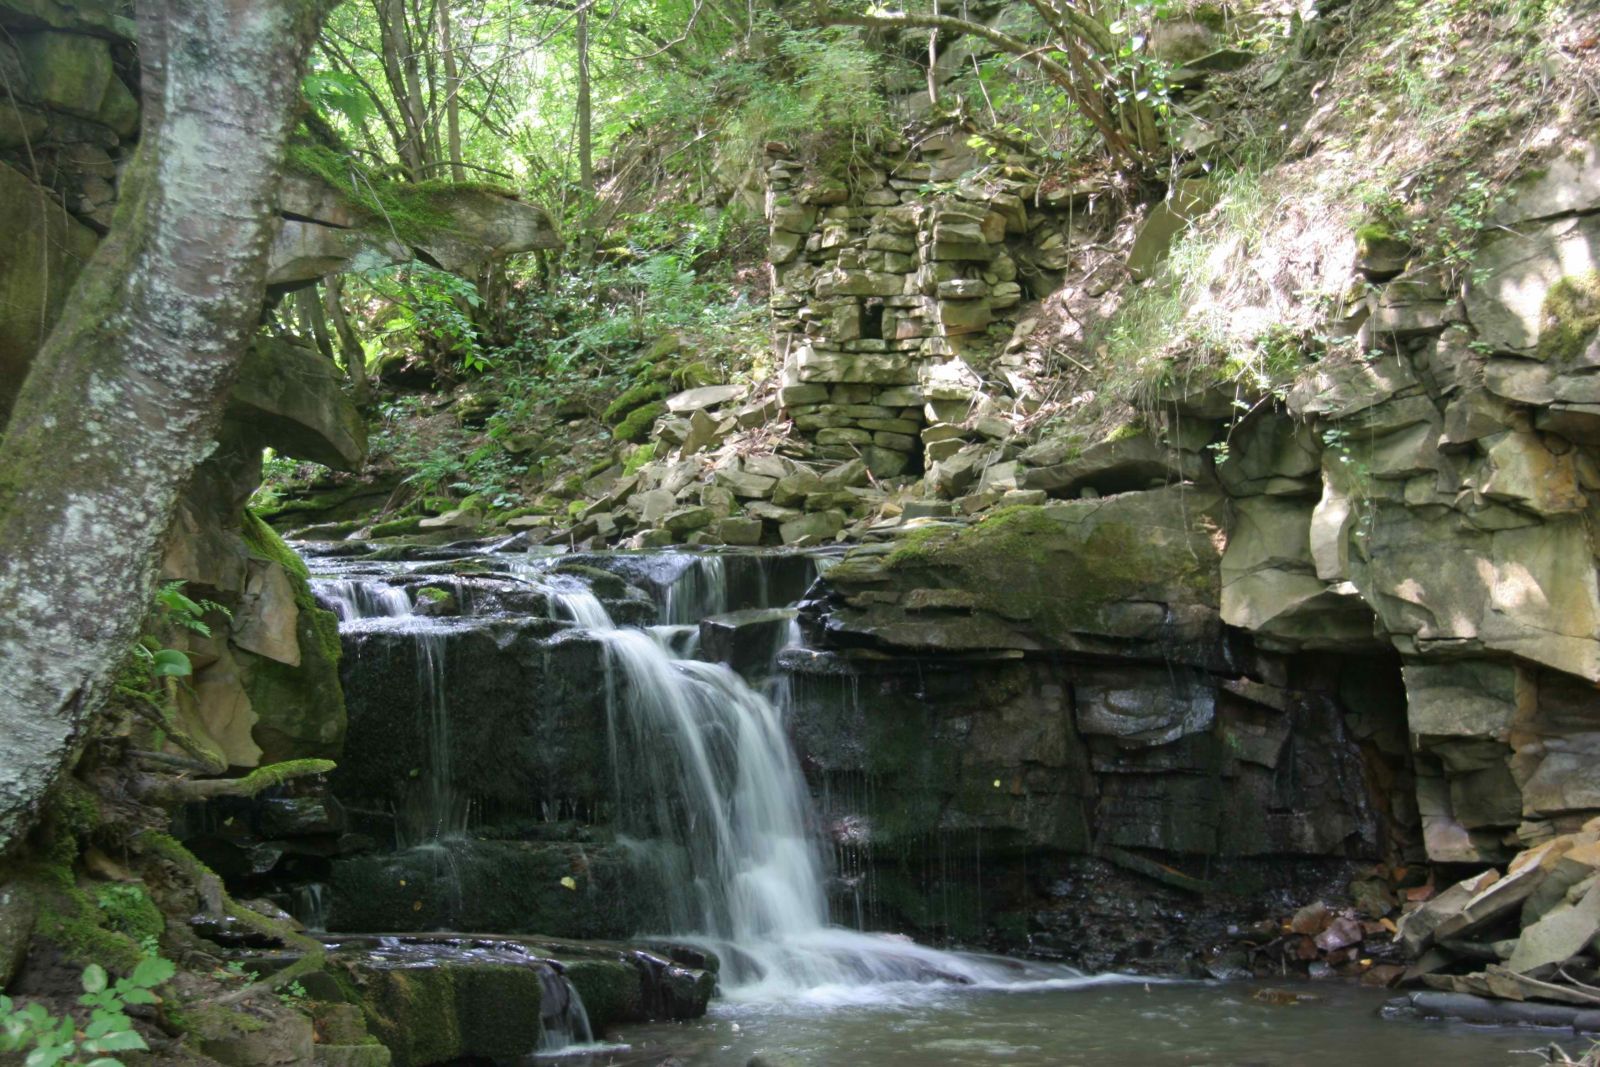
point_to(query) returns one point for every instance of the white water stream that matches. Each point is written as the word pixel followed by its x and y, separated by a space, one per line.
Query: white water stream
pixel 715 779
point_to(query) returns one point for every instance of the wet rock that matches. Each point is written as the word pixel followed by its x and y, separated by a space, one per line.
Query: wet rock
pixel 1563 932
pixel 748 640
pixel 1312 919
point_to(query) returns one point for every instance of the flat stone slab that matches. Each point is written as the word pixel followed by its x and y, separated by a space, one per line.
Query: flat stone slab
pixel 707 396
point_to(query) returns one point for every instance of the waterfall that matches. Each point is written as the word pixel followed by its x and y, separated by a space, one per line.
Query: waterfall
pixel 701 590
pixel 703 764
pixel 354 598
pixel 565 1019
pixel 439 813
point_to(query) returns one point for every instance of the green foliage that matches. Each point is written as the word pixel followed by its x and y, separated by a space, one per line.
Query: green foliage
pixel 129 910
pixel 49 1040
pixel 333 93
pixel 828 89
pixel 172 611
pixel 431 305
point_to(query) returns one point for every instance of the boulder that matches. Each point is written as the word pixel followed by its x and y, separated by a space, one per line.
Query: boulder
pixel 744 485
pixel 75 73
pixel 812 528
pixel 294 398
pixel 1563 932
pixel 1417 928
pixel 1569 184
pixel 1187 201
pixel 46 248
pixel 684 520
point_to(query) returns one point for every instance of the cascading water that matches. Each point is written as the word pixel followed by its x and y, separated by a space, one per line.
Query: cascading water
pixel 438 813
pixel 704 765
pixel 354 598
pixel 708 793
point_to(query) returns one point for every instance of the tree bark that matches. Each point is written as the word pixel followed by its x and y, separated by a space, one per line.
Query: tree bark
pixel 126 394
pixel 355 357
pixel 585 108
pixel 452 94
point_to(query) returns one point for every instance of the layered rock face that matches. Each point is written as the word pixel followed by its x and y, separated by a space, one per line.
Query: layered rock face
pixel 1048 704
pixel 1393 563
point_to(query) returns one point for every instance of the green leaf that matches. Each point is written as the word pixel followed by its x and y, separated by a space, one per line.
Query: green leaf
pixel 48 1055
pixel 170 663
pixel 94 975
pixel 139 996
pixel 119 1041
pixel 152 971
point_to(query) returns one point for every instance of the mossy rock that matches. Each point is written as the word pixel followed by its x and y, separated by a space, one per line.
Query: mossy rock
pixel 636 427
pixel 300 709
pixel 635 397
pixel 605 585
pixel 412 211
pixel 1570 317
pixel 612 991
pixel 447 1011
pixel 1051 571
pixel 694 375
pixel 397 527
pixel 71 920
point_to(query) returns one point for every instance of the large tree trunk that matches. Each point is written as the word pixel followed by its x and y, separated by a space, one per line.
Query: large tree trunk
pixel 126 394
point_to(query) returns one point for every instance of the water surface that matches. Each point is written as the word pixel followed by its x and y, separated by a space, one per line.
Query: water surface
pixel 1101 1022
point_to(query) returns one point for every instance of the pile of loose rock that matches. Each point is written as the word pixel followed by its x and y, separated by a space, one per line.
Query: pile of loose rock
pixel 1529 933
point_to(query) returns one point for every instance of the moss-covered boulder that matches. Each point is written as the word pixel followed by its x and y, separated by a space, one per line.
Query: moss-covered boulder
pixel 300 707
pixel 1134 567
pixel 430 1010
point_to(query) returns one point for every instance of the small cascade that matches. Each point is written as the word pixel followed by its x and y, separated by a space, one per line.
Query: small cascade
pixel 357 598
pixel 566 1021
pixel 310 906
pixel 701 590
pixel 439 812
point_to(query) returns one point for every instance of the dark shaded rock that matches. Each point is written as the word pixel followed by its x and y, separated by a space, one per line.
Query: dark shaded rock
pixel 507 886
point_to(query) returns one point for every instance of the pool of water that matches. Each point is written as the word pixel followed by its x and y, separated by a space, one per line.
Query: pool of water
pixel 1098 1022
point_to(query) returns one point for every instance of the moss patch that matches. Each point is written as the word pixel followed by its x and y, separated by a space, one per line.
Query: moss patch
pixel 631 399
pixel 301 709
pixel 129 910
pixel 611 990
pixel 636 427
pixel 414 211
pixel 442 1013
pixel 1570 317
pixel 1059 567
